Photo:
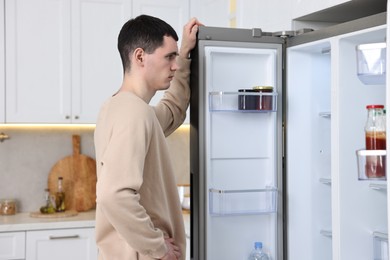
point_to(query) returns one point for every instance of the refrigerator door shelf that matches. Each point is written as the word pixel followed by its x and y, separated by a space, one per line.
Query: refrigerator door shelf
pixel 243 101
pixel 371 164
pixel 242 202
pixel 371 63
pixel 381 245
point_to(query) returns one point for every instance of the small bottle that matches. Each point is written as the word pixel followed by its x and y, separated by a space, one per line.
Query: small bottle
pixel 60 196
pixel 375 131
pixel 375 128
pixel 257 253
pixel 49 204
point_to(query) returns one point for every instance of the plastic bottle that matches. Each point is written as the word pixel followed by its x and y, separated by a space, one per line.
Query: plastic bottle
pixel 60 197
pixel 257 253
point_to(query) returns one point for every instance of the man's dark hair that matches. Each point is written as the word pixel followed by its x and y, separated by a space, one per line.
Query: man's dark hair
pixel 146 32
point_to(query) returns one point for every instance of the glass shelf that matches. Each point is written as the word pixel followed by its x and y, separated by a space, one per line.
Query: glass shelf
pixel 243 101
pixel 242 202
pixel 378 186
pixel 326 233
pixel 326 181
pixel 371 164
pixel 381 245
pixel 325 114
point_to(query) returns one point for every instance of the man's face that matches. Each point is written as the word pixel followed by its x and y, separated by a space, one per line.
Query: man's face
pixel 161 65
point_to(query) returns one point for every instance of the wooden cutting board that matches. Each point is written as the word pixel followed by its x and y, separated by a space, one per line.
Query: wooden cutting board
pixel 79 179
pixel 65 214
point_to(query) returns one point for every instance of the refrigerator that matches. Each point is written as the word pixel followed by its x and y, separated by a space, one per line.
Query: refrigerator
pixel 284 167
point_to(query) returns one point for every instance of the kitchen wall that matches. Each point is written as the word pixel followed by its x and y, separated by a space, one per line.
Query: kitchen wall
pixel 27 157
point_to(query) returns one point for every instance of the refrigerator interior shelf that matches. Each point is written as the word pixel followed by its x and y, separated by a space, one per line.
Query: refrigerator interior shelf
pixel 371 164
pixel 381 245
pixel 378 186
pixel 327 181
pixel 326 233
pixel 325 114
pixel 243 101
pixel 242 202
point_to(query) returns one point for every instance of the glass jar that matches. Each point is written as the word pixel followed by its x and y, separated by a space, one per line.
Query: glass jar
pixel 375 132
pixel 264 102
pixel 7 207
pixel 247 101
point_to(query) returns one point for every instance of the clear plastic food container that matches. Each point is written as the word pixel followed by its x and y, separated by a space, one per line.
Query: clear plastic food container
pixel 371 164
pixel 371 63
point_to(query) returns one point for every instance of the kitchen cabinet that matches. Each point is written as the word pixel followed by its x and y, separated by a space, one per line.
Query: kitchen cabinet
pixel 26 237
pixel 61 58
pixel 174 12
pixel 270 16
pixel 61 244
pixel 212 12
pixel 2 66
pixel 12 245
pixel 305 7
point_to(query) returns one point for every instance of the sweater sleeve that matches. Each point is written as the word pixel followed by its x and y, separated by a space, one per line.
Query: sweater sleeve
pixel 120 178
pixel 171 110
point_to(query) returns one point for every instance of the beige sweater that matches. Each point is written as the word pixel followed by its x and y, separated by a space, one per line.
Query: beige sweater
pixel 137 198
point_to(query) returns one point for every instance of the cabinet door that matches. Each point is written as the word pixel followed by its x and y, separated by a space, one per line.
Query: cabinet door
pixel 2 66
pixel 270 16
pixel 305 7
pixel 174 12
pixel 64 244
pixel 37 61
pixel 96 65
pixel 218 13
pixel 12 245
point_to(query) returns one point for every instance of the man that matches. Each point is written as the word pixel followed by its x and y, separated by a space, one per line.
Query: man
pixel 138 213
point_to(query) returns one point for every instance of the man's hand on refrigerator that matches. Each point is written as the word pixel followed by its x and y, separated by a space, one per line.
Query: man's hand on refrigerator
pixel 189 37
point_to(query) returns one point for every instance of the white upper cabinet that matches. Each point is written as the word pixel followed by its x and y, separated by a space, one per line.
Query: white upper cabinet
pixel 305 7
pixel 96 65
pixel 61 58
pixel 216 13
pixel 270 16
pixel 174 12
pixel 38 52
pixel 2 66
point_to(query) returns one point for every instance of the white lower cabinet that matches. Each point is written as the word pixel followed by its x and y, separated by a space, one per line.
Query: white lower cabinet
pixel 12 245
pixel 61 244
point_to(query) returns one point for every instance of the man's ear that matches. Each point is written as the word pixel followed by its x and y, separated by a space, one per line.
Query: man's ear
pixel 138 55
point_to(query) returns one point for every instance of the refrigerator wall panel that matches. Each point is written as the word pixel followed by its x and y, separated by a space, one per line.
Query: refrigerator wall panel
pixel 308 151
pixel 325 192
pixel 362 210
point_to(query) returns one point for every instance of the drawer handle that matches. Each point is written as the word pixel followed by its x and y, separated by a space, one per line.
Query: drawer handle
pixel 63 237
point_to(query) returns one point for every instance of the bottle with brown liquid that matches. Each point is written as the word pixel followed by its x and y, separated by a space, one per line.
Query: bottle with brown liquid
pixel 60 196
pixel 375 140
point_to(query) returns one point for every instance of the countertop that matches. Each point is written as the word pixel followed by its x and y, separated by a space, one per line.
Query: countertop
pixel 24 222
